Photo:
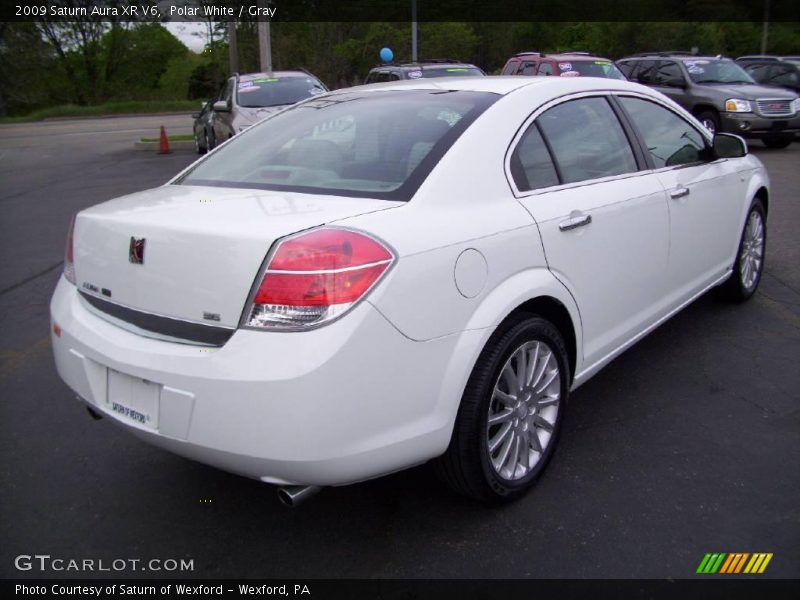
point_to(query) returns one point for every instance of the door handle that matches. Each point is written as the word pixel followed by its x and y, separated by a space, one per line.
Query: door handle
pixel 574 222
pixel 679 193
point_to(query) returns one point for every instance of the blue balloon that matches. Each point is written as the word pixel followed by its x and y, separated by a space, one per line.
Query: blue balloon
pixel 387 55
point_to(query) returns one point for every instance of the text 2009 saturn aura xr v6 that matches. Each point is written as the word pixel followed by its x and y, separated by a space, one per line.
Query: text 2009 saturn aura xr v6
pixel 386 275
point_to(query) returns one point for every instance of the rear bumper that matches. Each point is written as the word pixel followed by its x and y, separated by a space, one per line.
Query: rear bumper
pixel 346 402
pixel 751 125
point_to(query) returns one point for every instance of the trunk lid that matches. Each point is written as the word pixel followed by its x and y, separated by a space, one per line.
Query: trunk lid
pixel 202 249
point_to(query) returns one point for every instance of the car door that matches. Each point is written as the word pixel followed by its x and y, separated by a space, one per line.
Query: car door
pixel 603 221
pixel 670 80
pixel 702 195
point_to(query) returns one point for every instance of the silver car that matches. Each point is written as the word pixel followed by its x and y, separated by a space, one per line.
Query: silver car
pixel 246 99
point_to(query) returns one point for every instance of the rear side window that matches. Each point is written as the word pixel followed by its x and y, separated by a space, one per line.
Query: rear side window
pixel 587 140
pixel 531 164
pixel 644 72
pixel 528 68
pixel 670 140
pixel 783 75
pixel 626 67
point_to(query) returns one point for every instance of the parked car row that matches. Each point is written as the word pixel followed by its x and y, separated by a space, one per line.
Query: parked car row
pixel 391 274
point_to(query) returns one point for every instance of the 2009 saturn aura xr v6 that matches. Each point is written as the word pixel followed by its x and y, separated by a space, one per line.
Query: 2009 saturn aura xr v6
pixel 390 274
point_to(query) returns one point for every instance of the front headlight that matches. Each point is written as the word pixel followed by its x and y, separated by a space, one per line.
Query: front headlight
pixel 796 105
pixel 736 105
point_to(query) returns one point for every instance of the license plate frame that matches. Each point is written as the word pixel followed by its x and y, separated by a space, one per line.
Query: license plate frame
pixel 132 399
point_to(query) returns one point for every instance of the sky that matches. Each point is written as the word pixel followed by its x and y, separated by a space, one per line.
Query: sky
pixel 191 33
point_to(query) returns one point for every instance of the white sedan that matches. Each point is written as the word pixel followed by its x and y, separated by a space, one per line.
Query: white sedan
pixel 390 274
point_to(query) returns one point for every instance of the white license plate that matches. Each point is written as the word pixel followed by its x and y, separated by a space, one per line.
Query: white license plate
pixel 133 399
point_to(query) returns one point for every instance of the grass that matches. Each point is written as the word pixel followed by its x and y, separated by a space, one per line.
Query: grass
pixel 184 137
pixel 108 108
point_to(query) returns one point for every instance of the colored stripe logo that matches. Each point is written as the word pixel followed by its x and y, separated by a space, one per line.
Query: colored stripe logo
pixel 733 563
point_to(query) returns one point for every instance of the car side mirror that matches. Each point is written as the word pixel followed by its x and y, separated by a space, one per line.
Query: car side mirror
pixel 728 145
pixel 221 106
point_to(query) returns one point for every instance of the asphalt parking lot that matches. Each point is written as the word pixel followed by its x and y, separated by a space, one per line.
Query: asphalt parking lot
pixel 688 443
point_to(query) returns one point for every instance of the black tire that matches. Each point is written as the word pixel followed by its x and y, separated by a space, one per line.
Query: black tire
pixel 197 146
pixel 734 288
pixel 466 465
pixel 710 119
pixel 777 142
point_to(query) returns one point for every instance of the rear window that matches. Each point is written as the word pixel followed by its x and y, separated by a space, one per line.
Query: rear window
pixel 276 91
pixel 364 144
pixel 452 72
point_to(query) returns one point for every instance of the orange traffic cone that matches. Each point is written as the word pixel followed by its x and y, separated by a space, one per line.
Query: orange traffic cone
pixel 163 144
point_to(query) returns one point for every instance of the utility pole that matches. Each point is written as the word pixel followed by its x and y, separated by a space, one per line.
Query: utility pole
pixel 414 56
pixel 765 28
pixel 264 40
pixel 233 52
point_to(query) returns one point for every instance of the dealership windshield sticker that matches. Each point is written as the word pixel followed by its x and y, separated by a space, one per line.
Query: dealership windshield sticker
pixel 414 74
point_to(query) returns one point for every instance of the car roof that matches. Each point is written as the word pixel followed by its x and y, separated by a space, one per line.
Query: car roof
pixel 573 56
pixel 685 57
pixel 502 84
pixel 286 74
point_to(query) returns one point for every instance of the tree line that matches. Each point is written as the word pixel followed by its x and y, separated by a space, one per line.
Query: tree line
pixel 85 62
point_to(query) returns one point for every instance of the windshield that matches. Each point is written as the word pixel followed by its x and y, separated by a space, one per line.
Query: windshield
pixel 590 68
pixel 451 72
pixel 275 91
pixel 378 145
pixel 716 71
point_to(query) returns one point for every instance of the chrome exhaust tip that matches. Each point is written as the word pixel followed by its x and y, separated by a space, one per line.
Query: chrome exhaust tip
pixel 295 495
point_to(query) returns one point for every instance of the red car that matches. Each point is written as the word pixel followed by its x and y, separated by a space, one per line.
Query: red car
pixel 568 64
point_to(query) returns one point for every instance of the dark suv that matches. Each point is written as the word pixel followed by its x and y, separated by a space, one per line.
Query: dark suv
pixel 432 67
pixel 720 94
pixel 568 64
pixel 779 71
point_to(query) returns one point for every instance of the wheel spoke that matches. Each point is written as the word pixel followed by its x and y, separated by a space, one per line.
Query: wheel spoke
pixel 543 423
pixel 522 367
pixel 510 378
pixel 532 364
pixel 501 417
pixel 506 450
pixel 547 381
pixel 524 454
pixel 513 456
pixel 533 439
pixel 505 399
pixel 547 401
pixel 498 439
pixel 543 360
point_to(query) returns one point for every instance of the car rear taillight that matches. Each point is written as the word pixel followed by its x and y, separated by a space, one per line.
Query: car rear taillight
pixel 69 254
pixel 315 277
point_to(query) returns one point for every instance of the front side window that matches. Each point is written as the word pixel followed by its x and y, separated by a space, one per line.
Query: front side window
pixel 528 68
pixel 670 140
pixel 377 145
pixel 669 73
pixel 510 68
pixel 545 69
pixel 587 140
pixel 644 72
